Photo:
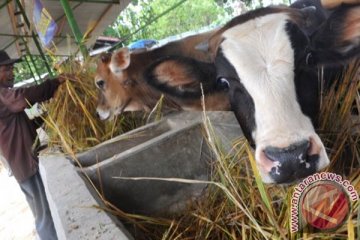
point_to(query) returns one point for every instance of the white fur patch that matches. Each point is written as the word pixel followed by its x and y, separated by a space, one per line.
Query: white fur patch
pixel 260 51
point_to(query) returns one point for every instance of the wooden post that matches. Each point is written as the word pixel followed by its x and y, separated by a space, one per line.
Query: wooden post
pixel 37 44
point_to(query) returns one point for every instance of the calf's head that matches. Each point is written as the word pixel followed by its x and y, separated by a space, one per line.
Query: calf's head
pixel 118 91
pixel 271 66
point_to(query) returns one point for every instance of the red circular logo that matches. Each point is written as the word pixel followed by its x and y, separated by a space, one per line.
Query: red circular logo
pixel 325 206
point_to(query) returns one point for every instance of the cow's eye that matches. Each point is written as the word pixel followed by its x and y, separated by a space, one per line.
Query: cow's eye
pixel 223 83
pixel 100 83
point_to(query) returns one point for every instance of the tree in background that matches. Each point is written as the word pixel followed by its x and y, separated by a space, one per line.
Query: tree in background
pixel 140 19
pixel 189 15
pixel 25 69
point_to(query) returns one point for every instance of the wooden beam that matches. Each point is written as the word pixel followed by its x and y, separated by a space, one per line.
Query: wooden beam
pixel 28 36
pixel 35 39
pixel 10 9
pixel 11 43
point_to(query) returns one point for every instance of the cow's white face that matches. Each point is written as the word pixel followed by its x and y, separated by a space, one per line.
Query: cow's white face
pixel 273 91
pixel 261 53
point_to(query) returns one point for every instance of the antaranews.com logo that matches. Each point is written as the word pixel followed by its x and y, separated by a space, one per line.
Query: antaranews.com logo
pixel 323 201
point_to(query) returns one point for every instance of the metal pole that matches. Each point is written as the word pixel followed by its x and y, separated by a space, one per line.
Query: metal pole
pixel 38 46
pixel 74 27
pixel 34 64
pixel 32 59
pixel 31 71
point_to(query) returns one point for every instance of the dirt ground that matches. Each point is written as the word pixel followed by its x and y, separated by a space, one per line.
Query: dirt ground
pixel 16 219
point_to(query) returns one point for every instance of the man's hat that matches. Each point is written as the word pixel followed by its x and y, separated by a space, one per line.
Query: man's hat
pixel 6 60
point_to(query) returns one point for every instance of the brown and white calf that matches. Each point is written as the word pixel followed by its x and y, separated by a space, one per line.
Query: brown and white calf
pixel 121 79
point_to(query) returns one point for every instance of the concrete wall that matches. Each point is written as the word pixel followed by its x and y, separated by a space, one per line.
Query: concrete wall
pixel 175 147
pixel 72 206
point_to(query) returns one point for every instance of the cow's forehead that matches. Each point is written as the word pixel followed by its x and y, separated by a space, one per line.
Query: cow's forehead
pixel 102 67
pixel 262 55
pixel 260 49
pixel 257 24
pixel 295 14
pixel 259 15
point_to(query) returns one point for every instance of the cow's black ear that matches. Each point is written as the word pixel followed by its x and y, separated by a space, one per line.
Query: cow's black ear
pixel 338 39
pixel 329 4
pixel 181 76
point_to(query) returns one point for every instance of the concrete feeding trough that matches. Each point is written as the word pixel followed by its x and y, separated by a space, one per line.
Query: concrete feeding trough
pixel 175 147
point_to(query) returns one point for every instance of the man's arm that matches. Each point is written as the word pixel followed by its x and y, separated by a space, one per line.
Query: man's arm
pixel 41 92
pixel 16 100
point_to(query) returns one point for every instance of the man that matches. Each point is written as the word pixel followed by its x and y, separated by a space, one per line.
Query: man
pixel 18 140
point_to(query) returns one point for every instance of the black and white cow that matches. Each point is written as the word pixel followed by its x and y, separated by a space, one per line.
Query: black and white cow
pixel 270 59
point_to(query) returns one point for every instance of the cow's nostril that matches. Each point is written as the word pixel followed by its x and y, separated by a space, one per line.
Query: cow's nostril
pixel 296 152
pixel 292 162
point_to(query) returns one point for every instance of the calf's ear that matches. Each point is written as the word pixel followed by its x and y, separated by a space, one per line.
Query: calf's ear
pixel 181 77
pixel 338 39
pixel 120 60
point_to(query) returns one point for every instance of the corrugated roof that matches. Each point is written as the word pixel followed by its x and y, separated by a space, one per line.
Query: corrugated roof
pixel 92 16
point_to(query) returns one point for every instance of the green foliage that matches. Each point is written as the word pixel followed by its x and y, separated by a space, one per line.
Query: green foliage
pixel 23 72
pixel 190 15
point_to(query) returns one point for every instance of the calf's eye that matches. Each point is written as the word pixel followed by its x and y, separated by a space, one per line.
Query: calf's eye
pixel 100 83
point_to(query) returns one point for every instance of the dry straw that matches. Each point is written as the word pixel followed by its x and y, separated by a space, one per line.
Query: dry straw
pixel 71 122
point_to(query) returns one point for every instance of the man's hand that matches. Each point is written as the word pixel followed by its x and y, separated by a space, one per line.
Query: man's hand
pixel 63 77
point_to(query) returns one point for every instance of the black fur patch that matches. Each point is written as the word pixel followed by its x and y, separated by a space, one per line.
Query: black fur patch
pixel 241 102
